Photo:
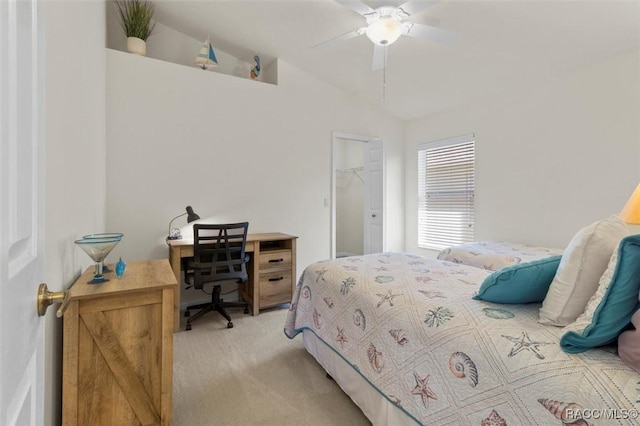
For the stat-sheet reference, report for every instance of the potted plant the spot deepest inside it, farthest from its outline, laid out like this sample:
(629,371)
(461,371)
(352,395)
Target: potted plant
(135,20)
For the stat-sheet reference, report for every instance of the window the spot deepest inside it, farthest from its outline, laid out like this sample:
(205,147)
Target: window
(446,191)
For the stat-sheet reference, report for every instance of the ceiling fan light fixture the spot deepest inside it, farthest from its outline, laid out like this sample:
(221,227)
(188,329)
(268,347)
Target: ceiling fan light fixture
(385,30)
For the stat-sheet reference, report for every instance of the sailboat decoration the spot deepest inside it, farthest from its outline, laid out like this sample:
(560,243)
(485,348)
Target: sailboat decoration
(206,58)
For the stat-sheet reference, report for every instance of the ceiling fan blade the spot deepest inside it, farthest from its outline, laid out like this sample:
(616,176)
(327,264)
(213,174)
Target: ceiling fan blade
(356,5)
(343,37)
(413,7)
(379,57)
(427,32)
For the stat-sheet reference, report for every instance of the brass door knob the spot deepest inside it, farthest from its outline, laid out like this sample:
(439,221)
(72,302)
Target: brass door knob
(46,298)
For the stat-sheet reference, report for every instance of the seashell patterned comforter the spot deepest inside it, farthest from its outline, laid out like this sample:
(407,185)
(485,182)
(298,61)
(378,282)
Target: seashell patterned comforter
(495,255)
(409,326)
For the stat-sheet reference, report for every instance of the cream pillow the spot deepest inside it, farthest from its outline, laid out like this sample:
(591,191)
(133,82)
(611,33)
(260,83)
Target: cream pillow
(583,263)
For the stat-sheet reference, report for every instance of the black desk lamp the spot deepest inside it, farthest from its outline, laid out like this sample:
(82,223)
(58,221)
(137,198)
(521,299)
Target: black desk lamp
(174,234)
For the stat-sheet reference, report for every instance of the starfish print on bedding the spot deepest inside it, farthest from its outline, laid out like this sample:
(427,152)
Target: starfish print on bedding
(386,298)
(341,338)
(423,390)
(524,342)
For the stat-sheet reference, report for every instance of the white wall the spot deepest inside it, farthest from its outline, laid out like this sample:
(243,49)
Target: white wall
(551,156)
(234,149)
(75,158)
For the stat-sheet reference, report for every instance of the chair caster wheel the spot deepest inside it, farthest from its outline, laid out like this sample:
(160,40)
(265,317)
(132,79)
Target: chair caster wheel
(188,327)
(230,325)
(246,310)
(187,314)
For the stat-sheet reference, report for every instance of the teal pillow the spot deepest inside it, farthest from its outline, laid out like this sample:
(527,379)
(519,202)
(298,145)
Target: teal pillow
(619,302)
(522,283)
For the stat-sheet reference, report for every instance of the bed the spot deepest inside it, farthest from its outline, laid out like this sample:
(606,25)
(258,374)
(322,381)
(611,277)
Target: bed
(495,255)
(404,339)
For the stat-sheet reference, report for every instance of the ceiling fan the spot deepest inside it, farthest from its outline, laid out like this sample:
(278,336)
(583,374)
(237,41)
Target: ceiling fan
(386,24)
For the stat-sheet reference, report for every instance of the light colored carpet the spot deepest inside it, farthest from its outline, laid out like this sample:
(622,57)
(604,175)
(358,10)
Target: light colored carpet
(252,374)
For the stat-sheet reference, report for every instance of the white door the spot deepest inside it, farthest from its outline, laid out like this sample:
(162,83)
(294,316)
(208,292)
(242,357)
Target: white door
(21,212)
(373,197)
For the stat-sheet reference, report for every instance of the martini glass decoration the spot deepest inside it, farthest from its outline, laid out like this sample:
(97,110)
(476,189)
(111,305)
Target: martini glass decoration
(117,235)
(97,249)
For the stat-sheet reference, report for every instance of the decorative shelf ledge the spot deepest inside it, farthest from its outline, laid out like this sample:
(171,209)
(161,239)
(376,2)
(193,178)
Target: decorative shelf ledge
(169,45)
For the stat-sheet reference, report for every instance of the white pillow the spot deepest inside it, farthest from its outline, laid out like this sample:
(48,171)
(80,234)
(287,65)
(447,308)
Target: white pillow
(586,317)
(582,264)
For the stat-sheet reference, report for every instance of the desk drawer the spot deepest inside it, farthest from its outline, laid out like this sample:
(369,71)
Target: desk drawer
(275,260)
(275,288)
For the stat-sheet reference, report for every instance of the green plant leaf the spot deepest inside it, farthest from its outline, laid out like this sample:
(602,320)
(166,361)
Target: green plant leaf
(135,17)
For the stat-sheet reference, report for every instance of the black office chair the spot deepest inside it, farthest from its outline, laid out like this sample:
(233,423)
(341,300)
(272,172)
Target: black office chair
(218,256)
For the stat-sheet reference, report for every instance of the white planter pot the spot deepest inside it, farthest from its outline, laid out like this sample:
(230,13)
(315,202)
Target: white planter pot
(136,46)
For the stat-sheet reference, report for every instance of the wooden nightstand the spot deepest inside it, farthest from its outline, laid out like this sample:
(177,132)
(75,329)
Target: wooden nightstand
(118,348)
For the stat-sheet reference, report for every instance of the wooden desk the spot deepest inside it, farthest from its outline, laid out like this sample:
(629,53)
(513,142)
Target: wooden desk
(272,269)
(118,348)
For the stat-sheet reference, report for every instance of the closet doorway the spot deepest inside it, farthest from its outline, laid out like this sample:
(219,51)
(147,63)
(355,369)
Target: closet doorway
(357,195)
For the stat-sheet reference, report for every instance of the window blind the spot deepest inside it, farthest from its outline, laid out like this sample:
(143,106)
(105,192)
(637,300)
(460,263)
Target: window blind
(446,191)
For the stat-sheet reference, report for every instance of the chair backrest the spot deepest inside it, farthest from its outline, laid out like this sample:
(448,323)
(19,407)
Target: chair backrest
(218,252)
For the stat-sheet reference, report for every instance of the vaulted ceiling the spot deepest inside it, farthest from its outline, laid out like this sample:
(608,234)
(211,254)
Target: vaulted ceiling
(503,44)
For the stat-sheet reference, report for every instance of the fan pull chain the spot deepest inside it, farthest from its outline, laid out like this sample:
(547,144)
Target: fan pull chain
(384,76)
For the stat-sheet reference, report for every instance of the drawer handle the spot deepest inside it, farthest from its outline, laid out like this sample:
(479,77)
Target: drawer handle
(276,279)
(276,260)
